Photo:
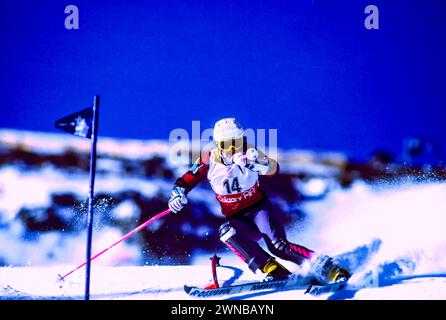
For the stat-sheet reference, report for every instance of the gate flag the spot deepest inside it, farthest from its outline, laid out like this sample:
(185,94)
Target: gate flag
(79,123)
(84,123)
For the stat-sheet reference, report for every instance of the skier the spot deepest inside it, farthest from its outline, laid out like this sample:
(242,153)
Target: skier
(233,168)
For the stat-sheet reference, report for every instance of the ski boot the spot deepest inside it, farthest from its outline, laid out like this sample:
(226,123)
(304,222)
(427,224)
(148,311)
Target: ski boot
(327,271)
(275,271)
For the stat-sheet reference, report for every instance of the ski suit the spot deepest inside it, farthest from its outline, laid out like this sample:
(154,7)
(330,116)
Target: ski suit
(249,213)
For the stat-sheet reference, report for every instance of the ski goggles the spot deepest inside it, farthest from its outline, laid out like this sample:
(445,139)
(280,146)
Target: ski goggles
(227,145)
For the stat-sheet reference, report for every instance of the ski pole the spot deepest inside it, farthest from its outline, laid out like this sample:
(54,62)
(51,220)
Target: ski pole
(128,235)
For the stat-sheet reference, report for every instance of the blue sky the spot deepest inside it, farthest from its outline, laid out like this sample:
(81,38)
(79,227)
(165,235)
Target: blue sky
(307,68)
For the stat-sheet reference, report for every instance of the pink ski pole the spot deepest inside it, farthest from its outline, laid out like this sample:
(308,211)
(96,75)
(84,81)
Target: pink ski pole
(128,235)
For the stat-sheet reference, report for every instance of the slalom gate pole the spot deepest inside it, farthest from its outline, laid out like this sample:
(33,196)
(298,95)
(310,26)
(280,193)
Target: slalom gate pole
(215,261)
(94,139)
(128,235)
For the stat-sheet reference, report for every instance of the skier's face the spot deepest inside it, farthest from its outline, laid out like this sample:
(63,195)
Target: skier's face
(229,154)
(231,146)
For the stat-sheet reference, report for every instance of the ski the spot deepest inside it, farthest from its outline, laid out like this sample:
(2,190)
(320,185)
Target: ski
(316,289)
(298,282)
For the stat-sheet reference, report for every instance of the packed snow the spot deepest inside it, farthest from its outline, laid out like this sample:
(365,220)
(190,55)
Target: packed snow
(404,225)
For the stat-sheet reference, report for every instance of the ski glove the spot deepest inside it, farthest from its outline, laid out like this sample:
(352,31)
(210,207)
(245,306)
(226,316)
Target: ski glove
(177,199)
(249,160)
(239,159)
(242,160)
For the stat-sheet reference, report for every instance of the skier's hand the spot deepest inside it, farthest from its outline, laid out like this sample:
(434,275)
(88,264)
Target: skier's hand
(252,154)
(239,159)
(177,199)
(247,159)
(253,163)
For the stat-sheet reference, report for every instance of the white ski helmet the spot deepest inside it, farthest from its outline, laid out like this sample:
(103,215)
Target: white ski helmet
(226,129)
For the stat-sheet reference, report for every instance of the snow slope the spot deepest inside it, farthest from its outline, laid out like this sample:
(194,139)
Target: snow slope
(393,232)
(390,233)
(166,283)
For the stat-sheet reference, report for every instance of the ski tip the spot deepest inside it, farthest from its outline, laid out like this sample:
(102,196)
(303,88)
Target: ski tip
(187,288)
(308,289)
(317,290)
